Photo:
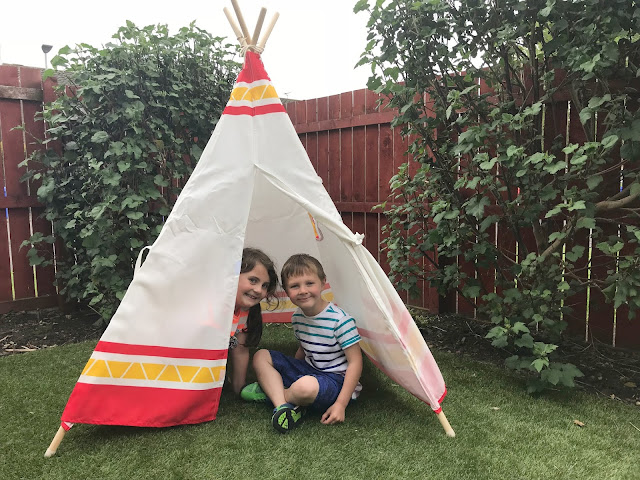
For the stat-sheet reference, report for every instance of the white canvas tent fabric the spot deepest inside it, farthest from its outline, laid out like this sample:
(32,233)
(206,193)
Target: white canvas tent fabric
(162,359)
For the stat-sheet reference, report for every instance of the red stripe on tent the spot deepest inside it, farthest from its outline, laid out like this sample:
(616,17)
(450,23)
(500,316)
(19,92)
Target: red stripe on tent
(151,351)
(140,406)
(253,69)
(276,317)
(254,111)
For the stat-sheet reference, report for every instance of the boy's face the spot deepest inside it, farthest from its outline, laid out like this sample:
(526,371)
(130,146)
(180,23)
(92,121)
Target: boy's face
(305,291)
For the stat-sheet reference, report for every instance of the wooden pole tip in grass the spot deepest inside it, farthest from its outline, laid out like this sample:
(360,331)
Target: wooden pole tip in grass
(55,443)
(445,424)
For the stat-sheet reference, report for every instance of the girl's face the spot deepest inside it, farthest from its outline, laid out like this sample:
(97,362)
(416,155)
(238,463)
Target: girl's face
(252,287)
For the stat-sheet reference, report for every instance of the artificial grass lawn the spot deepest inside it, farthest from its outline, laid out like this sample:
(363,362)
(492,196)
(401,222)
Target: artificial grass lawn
(387,434)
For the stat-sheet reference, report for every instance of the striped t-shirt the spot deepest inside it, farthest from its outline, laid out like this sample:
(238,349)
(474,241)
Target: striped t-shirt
(325,336)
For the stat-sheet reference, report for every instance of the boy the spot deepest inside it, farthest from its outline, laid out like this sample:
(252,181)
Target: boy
(326,369)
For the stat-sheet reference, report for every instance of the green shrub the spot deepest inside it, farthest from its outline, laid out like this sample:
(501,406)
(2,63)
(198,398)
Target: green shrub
(128,125)
(485,157)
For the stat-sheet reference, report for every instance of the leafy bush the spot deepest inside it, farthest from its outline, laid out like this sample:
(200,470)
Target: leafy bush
(491,149)
(124,134)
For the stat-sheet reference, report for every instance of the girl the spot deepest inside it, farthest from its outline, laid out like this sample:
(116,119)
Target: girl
(258,280)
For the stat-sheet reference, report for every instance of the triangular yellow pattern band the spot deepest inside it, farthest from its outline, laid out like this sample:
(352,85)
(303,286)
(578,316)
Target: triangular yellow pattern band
(260,92)
(153,371)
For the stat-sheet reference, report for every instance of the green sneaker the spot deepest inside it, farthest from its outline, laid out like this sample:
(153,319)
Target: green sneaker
(286,417)
(253,393)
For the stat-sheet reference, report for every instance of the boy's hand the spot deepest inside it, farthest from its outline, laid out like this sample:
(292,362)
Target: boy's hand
(334,414)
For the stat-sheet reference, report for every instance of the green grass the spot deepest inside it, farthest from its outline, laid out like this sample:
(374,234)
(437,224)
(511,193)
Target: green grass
(387,434)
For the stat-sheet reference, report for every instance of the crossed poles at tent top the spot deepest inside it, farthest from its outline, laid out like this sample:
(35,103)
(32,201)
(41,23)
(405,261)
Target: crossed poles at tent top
(250,42)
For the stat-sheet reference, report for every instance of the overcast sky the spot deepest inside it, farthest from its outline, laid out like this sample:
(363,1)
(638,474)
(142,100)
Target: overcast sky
(311,52)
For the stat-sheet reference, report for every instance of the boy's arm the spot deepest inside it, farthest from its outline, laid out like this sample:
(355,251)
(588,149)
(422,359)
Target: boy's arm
(335,413)
(299,353)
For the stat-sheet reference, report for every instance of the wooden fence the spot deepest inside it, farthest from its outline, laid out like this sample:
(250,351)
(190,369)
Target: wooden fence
(354,150)
(22,287)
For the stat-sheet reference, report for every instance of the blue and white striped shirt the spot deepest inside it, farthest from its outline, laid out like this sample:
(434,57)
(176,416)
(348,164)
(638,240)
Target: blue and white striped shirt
(325,336)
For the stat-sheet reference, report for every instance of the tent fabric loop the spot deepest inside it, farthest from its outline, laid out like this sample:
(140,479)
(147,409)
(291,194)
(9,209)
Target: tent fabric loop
(139,259)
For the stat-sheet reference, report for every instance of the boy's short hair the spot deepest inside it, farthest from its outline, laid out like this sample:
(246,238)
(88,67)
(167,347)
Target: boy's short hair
(300,264)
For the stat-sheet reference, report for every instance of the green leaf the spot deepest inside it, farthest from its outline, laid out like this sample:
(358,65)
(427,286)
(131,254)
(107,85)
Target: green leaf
(586,222)
(124,166)
(100,137)
(525,341)
(476,206)
(471,291)
(488,164)
(160,181)
(96,299)
(594,181)
(519,327)
(538,364)
(556,167)
(609,141)
(134,215)
(579,205)
(360,6)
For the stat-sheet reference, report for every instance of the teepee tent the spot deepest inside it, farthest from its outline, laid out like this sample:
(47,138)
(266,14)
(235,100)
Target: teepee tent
(162,359)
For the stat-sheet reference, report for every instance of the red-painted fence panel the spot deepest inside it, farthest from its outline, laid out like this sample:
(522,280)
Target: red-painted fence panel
(21,286)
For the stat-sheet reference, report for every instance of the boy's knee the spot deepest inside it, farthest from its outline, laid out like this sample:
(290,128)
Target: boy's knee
(261,357)
(306,388)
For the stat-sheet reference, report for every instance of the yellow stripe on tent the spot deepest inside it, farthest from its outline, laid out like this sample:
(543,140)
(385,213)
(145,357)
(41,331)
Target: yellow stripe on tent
(153,370)
(238,93)
(217,372)
(270,92)
(135,372)
(254,93)
(170,374)
(117,369)
(203,376)
(187,373)
(88,366)
(98,369)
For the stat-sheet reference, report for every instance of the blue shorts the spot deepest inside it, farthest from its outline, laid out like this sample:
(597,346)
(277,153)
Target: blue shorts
(291,369)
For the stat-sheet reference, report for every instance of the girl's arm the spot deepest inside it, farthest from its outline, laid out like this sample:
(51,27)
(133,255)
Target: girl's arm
(335,413)
(240,359)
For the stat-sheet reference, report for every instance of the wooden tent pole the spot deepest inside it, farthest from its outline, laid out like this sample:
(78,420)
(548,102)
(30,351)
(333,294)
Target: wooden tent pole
(235,27)
(445,424)
(256,32)
(55,443)
(243,26)
(266,34)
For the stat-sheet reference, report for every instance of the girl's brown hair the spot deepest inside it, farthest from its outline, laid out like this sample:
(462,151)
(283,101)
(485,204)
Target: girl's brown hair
(250,258)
